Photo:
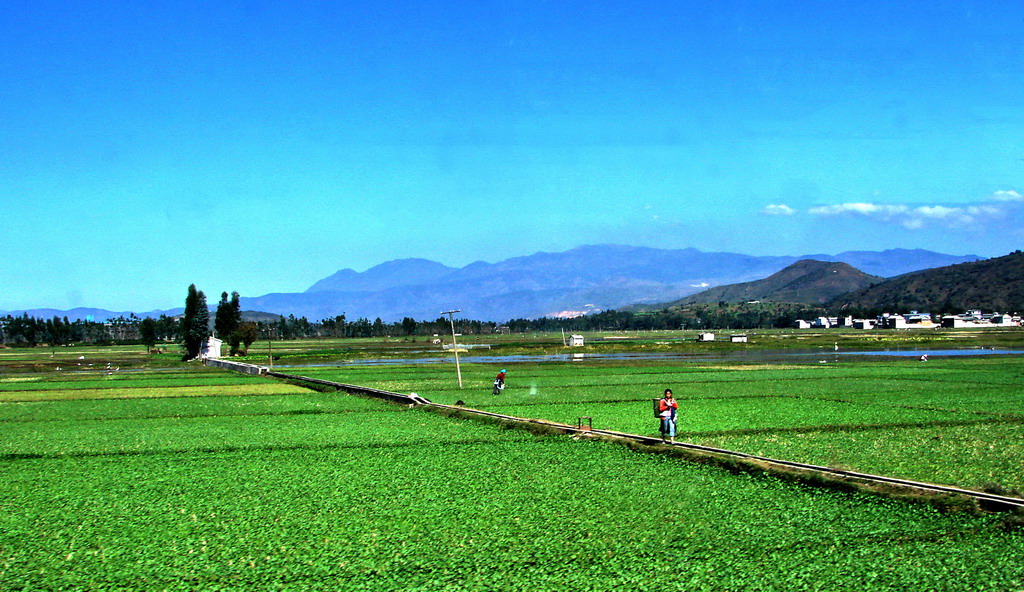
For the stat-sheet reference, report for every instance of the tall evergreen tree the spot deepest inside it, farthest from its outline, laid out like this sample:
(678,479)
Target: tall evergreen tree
(229,315)
(147,333)
(195,323)
(236,308)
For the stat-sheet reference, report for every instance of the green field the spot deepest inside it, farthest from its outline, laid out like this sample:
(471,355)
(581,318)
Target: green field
(951,421)
(151,479)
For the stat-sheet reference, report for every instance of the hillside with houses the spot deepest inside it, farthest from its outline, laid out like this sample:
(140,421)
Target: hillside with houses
(992,285)
(979,294)
(971,319)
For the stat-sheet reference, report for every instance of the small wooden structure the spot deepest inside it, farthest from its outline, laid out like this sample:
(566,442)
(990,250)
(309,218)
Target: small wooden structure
(738,338)
(705,337)
(577,341)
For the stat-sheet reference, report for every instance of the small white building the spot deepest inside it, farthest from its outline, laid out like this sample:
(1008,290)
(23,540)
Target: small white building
(955,322)
(1004,320)
(846,321)
(705,337)
(211,348)
(824,323)
(802,324)
(737,338)
(577,341)
(896,322)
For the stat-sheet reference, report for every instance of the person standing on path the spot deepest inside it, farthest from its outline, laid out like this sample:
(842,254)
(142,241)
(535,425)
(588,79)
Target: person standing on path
(667,406)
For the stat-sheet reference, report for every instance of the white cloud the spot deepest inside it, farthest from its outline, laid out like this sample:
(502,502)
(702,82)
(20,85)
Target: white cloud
(859,208)
(914,218)
(951,216)
(1003,195)
(938,211)
(778,210)
(994,213)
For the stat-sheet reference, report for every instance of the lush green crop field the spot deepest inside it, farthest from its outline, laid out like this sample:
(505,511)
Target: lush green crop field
(318,491)
(180,477)
(897,417)
(196,381)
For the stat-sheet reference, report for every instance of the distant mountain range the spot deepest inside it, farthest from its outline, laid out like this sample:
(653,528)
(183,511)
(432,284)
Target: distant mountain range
(806,281)
(992,285)
(584,279)
(569,283)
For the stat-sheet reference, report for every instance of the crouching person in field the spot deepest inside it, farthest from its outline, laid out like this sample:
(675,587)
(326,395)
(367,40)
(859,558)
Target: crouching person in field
(667,407)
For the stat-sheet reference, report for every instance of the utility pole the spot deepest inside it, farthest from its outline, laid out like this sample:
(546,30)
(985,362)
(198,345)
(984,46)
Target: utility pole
(270,341)
(455,345)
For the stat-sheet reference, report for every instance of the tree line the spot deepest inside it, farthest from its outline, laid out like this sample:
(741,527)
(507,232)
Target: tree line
(195,325)
(29,331)
(695,317)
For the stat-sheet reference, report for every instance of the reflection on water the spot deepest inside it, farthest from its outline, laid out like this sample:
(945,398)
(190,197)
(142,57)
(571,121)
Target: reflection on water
(754,356)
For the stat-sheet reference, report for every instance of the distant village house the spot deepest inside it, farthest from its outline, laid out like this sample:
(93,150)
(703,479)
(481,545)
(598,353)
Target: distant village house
(916,320)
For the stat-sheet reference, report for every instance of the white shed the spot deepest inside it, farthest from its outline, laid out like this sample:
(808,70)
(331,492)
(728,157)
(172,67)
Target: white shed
(577,341)
(738,338)
(705,337)
(211,348)
(896,322)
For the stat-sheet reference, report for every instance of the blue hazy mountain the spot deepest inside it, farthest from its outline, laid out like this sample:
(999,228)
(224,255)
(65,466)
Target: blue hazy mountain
(393,274)
(587,278)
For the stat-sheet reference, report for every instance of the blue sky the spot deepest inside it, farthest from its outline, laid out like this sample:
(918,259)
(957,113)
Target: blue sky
(260,146)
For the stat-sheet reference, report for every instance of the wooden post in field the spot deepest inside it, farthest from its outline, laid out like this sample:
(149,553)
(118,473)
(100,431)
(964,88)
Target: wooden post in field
(455,345)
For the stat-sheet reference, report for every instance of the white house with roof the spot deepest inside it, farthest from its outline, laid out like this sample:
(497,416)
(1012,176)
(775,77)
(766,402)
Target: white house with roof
(1004,319)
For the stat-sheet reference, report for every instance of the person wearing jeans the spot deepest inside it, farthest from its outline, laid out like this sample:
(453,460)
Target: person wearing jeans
(667,406)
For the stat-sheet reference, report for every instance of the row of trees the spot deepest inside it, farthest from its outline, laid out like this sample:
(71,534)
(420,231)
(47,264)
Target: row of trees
(698,316)
(339,326)
(759,315)
(194,326)
(227,324)
(58,331)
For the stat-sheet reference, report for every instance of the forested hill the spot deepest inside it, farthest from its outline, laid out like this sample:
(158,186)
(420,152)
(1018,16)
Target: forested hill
(807,281)
(990,285)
